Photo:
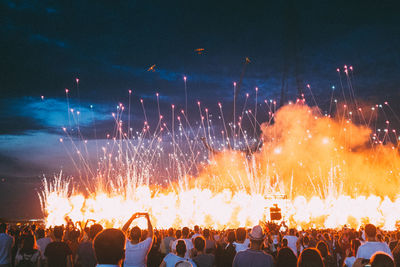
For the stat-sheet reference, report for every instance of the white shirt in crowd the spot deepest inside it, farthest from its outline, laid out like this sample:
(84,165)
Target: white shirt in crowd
(292,240)
(195,235)
(32,258)
(368,249)
(42,244)
(189,246)
(349,261)
(241,246)
(6,243)
(171,260)
(136,254)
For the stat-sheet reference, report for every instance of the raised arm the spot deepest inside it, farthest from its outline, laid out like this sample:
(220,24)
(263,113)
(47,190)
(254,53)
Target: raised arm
(128,223)
(149,227)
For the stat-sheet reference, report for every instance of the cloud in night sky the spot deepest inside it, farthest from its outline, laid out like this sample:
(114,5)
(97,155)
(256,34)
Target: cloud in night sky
(110,45)
(29,114)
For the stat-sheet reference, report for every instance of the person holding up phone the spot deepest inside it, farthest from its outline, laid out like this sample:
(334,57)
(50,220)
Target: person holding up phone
(136,252)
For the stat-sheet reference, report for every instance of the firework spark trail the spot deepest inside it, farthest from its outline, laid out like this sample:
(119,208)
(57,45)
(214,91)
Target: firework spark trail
(327,166)
(241,184)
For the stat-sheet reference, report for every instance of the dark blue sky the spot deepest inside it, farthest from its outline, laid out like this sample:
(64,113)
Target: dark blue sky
(109,45)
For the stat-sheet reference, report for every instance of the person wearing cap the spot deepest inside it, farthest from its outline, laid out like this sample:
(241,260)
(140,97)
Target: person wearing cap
(254,256)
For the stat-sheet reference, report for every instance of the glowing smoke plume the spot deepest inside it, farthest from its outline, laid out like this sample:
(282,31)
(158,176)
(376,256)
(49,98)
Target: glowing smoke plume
(331,170)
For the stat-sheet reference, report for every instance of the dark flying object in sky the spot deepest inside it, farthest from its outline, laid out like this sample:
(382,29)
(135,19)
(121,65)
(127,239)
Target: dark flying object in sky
(199,51)
(152,68)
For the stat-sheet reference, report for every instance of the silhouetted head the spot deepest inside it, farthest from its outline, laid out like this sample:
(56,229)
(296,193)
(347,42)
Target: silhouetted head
(380,259)
(310,257)
(74,235)
(206,233)
(135,234)
(240,234)
(171,231)
(231,236)
(286,258)
(28,243)
(199,243)
(398,235)
(185,232)
(370,230)
(196,229)
(94,230)
(3,227)
(323,249)
(256,236)
(58,232)
(178,234)
(326,236)
(181,248)
(40,233)
(379,237)
(284,242)
(306,240)
(109,246)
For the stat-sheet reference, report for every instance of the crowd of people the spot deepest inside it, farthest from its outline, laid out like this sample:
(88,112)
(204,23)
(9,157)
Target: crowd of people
(263,245)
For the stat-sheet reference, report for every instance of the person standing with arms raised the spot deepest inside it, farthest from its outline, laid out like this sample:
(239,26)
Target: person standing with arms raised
(136,252)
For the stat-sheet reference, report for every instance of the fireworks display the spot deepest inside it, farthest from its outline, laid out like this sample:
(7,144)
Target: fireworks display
(323,169)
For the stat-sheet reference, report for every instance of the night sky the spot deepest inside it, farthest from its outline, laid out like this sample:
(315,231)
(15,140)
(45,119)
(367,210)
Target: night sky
(109,46)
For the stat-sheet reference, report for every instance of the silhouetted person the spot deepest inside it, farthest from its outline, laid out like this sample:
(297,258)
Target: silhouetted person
(58,253)
(240,243)
(324,251)
(395,242)
(210,244)
(172,245)
(310,257)
(155,257)
(6,244)
(202,259)
(42,242)
(172,259)
(286,258)
(196,232)
(380,259)
(372,245)
(109,247)
(28,254)
(73,242)
(165,244)
(136,251)
(85,255)
(350,259)
(292,240)
(254,256)
(229,252)
(186,238)
(285,244)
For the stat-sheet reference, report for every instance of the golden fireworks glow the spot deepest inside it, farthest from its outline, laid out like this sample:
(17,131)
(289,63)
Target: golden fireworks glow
(321,171)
